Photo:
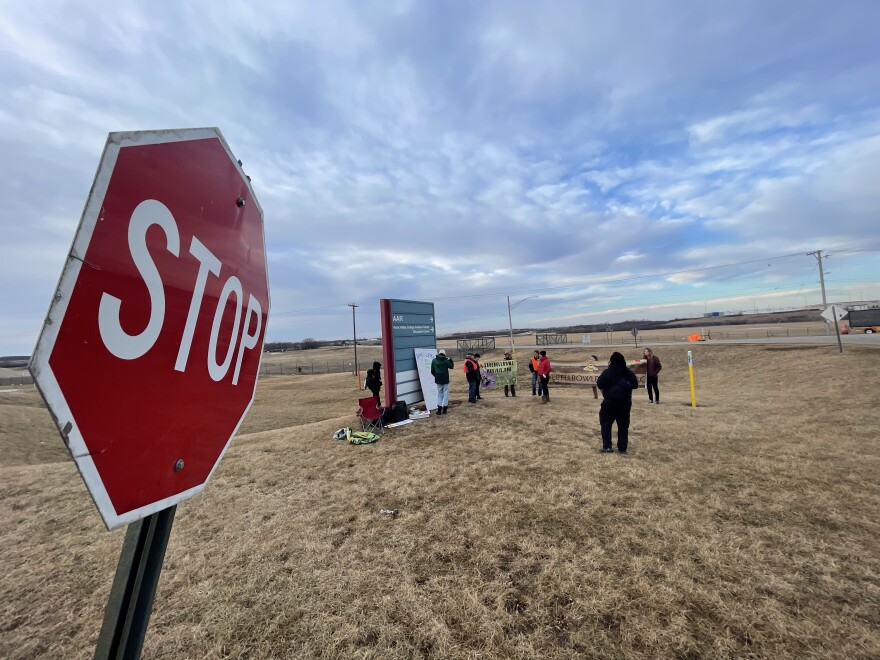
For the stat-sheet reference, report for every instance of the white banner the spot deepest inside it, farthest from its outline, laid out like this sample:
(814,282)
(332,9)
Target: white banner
(424,357)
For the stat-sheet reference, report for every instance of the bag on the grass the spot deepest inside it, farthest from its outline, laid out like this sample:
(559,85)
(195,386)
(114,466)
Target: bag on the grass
(355,437)
(360,437)
(400,412)
(388,416)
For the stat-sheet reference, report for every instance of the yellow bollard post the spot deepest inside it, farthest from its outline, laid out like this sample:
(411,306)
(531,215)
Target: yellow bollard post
(691,375)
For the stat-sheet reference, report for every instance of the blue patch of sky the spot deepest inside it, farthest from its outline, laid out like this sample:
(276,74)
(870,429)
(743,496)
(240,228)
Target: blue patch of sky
(293,90)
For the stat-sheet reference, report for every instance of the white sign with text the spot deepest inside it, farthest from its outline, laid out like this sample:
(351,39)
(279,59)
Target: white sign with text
(424,357)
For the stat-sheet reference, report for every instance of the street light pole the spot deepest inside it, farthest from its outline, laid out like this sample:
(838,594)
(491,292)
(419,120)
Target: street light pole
(357,367)
(818,255)
(510,318)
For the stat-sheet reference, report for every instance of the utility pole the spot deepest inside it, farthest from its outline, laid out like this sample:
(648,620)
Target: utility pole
(510,325)
(818,255)
(510,318)
(357,367)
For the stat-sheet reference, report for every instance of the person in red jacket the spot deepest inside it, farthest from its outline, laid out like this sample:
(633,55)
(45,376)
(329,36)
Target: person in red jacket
(472,373)
(533,368)
(544,370)
(653,368)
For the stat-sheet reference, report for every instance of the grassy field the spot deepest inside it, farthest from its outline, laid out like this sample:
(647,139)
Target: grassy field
(744,528)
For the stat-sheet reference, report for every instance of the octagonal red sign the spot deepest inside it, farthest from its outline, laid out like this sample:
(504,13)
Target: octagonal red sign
(150,352)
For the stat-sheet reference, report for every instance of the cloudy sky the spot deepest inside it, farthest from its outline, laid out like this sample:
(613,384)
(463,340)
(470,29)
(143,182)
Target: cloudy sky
(610,159)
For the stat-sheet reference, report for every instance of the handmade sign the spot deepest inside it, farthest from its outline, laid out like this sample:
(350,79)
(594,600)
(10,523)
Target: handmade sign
(424,356)
(504,371)
(579,374)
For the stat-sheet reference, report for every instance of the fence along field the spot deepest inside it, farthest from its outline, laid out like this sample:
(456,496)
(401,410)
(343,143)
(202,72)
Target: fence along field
(338,359)
(746,527)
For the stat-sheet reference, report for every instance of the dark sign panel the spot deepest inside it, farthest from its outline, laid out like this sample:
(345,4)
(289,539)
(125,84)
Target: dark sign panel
(859,318)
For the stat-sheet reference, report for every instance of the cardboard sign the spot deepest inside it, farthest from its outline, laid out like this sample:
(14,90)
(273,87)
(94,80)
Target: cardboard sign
(579,374)
(503,370)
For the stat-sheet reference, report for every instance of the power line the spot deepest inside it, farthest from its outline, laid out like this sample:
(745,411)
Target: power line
(622,280)
(619,280)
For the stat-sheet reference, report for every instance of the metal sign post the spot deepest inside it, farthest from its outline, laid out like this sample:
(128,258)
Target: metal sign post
(635,334)
(131,597)
(833,312)
(837,331)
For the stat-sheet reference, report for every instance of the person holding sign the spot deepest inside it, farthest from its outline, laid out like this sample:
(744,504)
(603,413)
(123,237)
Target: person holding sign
(652,368)
(512,386)
(440,367)
(617,383)
(591,367)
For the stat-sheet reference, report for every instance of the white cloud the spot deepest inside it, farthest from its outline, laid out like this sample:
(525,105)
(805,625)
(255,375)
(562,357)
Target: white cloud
(427,149)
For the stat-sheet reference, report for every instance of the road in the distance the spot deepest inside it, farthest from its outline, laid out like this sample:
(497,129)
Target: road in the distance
(870,341)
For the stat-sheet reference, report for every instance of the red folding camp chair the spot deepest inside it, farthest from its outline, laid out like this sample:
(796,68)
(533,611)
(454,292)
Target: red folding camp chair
(370,414)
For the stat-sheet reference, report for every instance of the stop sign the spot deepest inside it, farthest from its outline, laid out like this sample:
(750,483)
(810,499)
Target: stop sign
(149,355)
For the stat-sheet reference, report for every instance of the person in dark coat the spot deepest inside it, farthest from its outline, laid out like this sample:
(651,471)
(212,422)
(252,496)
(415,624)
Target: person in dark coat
(653,367)
(374,384)
(479,373)
(617,383)
(533,369)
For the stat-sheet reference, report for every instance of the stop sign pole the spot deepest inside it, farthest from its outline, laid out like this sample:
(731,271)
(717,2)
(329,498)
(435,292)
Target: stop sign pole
(127,614)
(150,352)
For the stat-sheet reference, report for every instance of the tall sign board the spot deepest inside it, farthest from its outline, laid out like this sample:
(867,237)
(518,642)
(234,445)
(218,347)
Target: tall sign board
(406,325)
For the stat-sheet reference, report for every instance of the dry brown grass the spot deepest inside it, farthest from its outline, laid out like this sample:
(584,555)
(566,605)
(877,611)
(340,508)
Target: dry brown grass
(746,528)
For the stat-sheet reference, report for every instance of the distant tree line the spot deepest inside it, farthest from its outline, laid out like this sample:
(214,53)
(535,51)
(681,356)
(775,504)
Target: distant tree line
(309,343)
(620,326)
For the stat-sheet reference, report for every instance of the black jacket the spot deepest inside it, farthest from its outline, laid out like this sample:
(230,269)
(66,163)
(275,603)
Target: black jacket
(617,384)
(374,383)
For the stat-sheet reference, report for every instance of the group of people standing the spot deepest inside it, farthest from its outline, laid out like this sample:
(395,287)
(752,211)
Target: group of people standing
(617,383)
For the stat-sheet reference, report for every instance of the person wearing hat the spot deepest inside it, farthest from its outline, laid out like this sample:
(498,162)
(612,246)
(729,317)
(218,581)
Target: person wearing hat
(512,386)
(440,367)
(472,373)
